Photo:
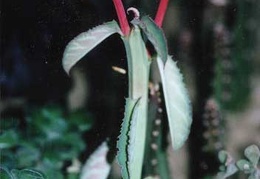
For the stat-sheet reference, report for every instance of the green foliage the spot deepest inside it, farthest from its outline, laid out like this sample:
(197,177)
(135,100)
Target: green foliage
(227,167)
(20,174)
(45,142)
(233,68)
(248,166)
(8,139)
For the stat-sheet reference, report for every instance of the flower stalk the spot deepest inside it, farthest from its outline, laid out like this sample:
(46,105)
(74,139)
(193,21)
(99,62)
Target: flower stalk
(122,17)
(161,12)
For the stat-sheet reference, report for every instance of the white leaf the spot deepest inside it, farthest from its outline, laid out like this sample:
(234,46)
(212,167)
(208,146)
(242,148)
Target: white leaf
(85,42)
(177,102)
(97,166)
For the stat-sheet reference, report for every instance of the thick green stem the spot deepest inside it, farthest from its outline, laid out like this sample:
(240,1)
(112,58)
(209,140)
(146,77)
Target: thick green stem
(138,76)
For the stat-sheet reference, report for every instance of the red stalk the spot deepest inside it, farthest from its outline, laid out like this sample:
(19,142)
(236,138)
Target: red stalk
(122,17)
(161,12)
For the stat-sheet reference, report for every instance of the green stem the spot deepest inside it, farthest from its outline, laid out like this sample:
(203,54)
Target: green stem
(138,76)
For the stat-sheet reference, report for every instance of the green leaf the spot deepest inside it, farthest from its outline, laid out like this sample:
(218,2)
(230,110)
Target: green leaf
(137,137)
(85,42)
(81,120)
(27,156)
(50,167)
(73,176)
(231,169)
(27,174)
(8,139)
(97,165)
(253,154)
(245,165)
(177,102)
(223,156)
(53,157)
(71,145)
(156,36)
(49,121)
(123,141)
(51,112)
(66,148)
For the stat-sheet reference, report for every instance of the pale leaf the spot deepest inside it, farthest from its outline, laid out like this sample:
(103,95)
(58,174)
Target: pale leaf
(85,42)
(177,102)
(97,166)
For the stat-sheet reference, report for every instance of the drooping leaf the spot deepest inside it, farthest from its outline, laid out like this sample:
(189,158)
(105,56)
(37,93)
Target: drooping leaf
(85,42)
(123,141)
(253,154)
(156,36)
(177,102)
(97,165)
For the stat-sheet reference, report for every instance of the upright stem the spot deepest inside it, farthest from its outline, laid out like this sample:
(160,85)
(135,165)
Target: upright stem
(138,77)
(122,17)
(161,12)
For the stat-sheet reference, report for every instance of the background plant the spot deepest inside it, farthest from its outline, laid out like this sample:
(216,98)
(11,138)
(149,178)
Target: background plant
(249,165)
(48,141)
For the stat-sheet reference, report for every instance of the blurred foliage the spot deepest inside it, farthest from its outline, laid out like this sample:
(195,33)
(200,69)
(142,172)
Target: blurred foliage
(249,166)
(47,141)
(20,174)
(233,66)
